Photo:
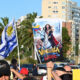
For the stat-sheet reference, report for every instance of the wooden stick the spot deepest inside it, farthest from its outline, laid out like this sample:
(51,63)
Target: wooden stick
(49,73)
(49,69)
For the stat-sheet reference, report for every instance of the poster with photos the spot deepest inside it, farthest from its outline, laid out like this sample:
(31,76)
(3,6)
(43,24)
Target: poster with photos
(47,39)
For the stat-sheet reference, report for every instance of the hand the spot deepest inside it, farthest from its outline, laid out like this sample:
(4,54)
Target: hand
(11,69)
(50,65)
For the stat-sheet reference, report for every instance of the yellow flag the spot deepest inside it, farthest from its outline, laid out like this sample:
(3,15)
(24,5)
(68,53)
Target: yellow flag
(76,74)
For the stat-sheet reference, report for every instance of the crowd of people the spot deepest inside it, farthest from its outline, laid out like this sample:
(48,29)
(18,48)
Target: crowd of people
(6,72)
(11,72)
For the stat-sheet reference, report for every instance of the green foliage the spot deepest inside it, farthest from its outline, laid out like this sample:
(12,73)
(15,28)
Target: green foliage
(77,48)
(31,60)
(25,35)
(65,41)
(41,17)
(4,22)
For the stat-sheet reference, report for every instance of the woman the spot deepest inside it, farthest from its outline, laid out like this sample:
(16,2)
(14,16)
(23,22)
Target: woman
(51,38)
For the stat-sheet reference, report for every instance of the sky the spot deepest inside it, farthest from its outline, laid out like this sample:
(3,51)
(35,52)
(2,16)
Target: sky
(17,8)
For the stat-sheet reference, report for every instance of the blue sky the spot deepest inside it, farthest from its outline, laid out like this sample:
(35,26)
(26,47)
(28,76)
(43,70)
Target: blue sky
(18,8)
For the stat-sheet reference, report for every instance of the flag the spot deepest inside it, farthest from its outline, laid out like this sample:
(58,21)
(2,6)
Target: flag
(8,40)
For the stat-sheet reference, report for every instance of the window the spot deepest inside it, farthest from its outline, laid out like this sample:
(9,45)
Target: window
(49,15)
(63,7)
(55,11)
(55,2)
(49,6)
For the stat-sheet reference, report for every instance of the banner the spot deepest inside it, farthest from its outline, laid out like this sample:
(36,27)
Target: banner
(47,38)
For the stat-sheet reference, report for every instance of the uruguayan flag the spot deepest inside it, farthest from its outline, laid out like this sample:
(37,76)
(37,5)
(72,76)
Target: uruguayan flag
(8,40)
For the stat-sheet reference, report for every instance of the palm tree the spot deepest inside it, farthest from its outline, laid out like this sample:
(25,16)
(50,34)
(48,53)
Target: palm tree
(26,33)
(4,22)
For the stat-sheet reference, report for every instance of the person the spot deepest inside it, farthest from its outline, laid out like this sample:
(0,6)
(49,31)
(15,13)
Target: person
(59,73)
(21,76)
(29,78)
(44,77)
(66,77)
(14,66)
(4,70)
(35,72)
(51,38)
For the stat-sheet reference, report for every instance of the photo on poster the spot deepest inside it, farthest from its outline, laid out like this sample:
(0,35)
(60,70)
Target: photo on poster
(48,38)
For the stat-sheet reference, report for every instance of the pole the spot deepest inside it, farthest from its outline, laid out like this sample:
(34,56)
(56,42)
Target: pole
(35,50)
(49,73)
(18,47)
(49,69)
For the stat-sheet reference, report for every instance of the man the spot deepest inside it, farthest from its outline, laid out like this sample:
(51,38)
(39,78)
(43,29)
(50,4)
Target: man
(60,73)
(14,66)
(4,70)
(23,75)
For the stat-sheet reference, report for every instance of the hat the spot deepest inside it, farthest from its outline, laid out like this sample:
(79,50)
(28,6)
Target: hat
(4,68)
(24,71)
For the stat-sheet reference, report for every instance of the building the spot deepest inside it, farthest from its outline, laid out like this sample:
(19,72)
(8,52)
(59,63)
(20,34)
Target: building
(56,9)
(68,11)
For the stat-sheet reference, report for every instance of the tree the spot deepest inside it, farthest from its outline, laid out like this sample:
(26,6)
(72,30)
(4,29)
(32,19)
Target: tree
(77,48)
(65,41)
(4,22)
(26,34)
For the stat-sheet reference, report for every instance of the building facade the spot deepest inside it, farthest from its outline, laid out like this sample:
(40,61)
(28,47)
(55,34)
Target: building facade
(56,9)
(68,11)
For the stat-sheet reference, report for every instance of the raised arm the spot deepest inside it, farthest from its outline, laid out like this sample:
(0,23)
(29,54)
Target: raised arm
(17,73)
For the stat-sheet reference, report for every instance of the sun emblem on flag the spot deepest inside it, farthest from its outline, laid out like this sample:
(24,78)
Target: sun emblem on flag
(9,30)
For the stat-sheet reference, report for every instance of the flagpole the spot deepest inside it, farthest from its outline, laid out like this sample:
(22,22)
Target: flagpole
(18,47)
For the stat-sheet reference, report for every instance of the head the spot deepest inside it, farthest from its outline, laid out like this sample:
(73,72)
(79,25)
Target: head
(29,78)
(47,27)
(14,61)
(67,68)
(66,77)
(60,71)
(4,70)
(34,64)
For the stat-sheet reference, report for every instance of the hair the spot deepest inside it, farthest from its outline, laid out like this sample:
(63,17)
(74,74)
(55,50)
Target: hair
(4,68)
(29,78)
(13,61)
(46,27)
(66,77)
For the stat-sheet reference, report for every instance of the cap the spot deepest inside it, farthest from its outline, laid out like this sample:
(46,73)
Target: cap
(4,68)
(24,71)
